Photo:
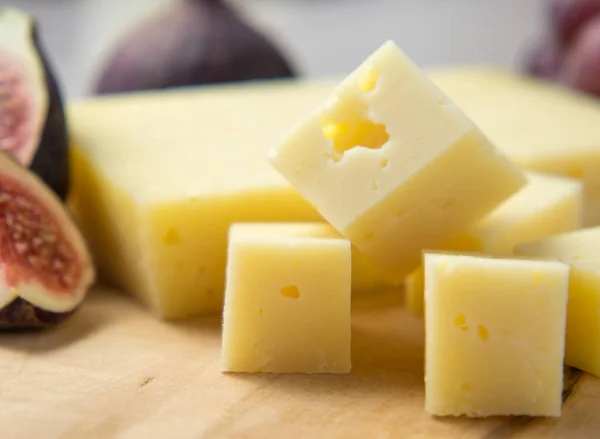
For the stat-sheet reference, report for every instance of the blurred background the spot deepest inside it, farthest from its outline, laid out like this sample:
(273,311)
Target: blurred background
(320,37)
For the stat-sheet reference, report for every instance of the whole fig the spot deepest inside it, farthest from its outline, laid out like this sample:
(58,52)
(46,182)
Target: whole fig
(194,42)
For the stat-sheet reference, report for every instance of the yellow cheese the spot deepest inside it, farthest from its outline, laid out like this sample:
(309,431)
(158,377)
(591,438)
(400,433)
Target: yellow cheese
(548,205)
(580,249)
(287,304)
(539,125)
(392,164)
(367,276)
(159,178)
(495,335)
(414,292)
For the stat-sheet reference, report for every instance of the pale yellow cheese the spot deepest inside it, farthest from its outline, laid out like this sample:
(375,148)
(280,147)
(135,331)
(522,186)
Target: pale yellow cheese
(548,205)
(495,335)
(580,249)
(540,126)
(392,164)
(287,303)
(159,177)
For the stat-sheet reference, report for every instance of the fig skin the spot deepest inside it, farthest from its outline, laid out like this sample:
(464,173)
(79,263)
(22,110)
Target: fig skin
(22,315)
(47,267)
(545,60)
(568,17)
(195,42)
(51,162)
(48,157)
(581,67)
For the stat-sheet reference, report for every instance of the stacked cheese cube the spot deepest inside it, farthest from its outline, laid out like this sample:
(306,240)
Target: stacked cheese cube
(396,168)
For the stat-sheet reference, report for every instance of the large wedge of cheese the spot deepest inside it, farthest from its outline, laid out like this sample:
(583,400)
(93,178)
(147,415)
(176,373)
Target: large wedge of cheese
(540,126)
(160,177)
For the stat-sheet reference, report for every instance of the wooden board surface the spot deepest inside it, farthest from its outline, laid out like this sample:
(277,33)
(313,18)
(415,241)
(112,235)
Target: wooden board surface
(113,371)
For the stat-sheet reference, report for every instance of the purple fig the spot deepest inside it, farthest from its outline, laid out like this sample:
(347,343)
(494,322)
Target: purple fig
(194,42)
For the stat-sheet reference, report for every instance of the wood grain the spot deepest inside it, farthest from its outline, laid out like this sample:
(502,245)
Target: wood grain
(113,371)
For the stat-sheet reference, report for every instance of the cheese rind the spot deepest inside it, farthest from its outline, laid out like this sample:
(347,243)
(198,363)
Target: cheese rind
(395,167)
(547,206)
(580,250)
(495,335)
(287,304)
(519,114)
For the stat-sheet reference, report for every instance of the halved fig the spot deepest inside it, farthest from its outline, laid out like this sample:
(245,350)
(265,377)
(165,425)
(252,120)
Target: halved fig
(32,122)
(45,266)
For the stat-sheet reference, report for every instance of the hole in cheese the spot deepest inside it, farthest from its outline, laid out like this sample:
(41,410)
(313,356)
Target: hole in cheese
(368,80)
(171,237)
(482,332)
(290,291)
(347,125)
(466,387)
(460,321)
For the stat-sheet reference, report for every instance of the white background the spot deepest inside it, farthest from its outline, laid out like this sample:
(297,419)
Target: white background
(323,37)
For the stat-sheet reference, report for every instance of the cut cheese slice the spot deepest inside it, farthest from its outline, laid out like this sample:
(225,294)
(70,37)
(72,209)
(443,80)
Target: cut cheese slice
(539,125)
(159,178)
(580,249)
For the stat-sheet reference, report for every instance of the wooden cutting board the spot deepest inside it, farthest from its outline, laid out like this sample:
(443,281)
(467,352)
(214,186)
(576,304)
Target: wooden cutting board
(113,371)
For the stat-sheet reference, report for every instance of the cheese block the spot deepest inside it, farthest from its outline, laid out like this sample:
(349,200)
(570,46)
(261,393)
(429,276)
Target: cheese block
(159,177)
(392,164)
(287,302)
(548,205)
(580,249)
(495,335)
(538,125)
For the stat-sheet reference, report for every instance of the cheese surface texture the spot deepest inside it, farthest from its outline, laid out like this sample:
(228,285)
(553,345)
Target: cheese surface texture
(287,303)
(547,206)
(580,249)
(392,164)
(495,335)
(538,125)
(159,177)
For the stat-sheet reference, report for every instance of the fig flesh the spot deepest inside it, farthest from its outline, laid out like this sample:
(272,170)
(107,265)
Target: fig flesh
(195,42)
(45,266)
(32,122)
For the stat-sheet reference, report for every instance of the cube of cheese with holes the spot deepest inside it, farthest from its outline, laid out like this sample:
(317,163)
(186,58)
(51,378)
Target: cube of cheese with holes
(392,164)
(580,249)
(495,335)
(287,300)
(548,205)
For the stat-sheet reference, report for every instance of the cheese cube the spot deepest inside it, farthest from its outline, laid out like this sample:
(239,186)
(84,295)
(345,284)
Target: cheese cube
(495,335)
(538,125)
(392,164)
(367,276)
(159,177)
(580,249)
(548,205)
(287,304)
